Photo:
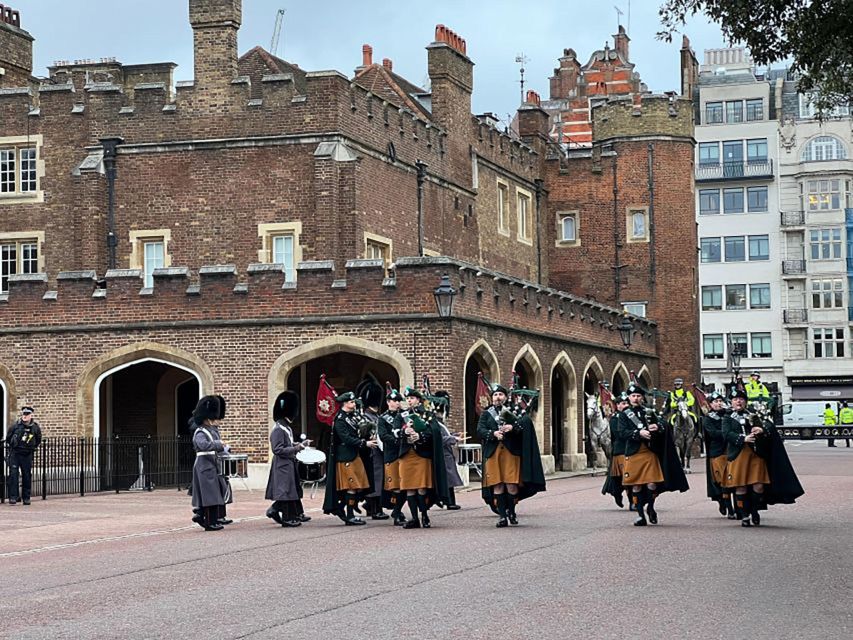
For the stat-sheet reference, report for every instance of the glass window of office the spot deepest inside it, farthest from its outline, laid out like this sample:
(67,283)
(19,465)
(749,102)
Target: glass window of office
(755,109)
(713,112)
(709,202)
(828,343)
(738,343)
(824,148)
(710,249)
(825,244)
(759,296)
(709,153)
(762,346)
(735,297)
(827,293)
(759,247)
(756,198)
(734,111)
(756,150)
(712,298)
(735,249)
(712,346)
(823,195)
(733,200)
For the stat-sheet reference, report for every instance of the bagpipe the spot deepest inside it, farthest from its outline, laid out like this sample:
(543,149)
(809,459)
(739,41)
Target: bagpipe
(521,403)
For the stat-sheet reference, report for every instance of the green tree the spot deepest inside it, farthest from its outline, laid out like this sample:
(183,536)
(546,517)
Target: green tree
(816,35)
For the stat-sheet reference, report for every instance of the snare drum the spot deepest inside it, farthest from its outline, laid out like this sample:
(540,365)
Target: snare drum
(310,465)
(234,465)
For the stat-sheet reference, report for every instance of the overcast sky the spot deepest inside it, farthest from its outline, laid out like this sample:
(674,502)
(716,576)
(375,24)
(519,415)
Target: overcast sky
(329,34)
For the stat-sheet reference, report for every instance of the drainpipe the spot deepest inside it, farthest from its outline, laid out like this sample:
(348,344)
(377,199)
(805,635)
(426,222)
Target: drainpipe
(539,190)
(110,151)
(652,261)
(421,168)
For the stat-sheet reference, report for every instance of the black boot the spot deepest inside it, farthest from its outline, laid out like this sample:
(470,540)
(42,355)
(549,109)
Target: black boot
(274,514)
(500,505)
(351,519)
(451,500)
(511,501)
(650,506)
(618,499)
(377,512)
(722,504)
(397,511)
(290,515)
(415,522)
(210,524)
(729,507)
(221,516)
(637,499)
(756,502)
(423,505)
(742,509)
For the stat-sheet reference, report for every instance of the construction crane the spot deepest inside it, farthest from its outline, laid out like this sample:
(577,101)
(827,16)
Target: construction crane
(276,34)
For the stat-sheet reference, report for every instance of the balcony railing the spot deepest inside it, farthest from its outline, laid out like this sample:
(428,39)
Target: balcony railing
(750,170)
(795,316)
(793,218)
(793,267)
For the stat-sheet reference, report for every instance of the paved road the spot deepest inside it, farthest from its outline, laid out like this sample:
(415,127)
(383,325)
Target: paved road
(128,567)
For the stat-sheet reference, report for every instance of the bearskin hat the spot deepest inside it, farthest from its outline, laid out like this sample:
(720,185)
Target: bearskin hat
(286,406)
(209,408)
(370,393)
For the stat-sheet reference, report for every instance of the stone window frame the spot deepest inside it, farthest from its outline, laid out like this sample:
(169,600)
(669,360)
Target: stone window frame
(26,237)
(561,215)
(629,224)
(138,238)
(25,142)
(504,185)
(519,194)
(268,231)
(387,243)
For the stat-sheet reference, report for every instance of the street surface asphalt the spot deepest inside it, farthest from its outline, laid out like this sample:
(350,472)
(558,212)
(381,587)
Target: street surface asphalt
(133,566)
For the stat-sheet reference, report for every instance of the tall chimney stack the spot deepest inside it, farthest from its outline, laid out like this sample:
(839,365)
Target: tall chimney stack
(215,24)
(620,41)
(451,75)
(16,50)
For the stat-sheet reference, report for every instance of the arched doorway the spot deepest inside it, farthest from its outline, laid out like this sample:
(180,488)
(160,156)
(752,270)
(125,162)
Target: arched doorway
(593,375)
(645,379)
(529,371)
(564,415)
(346,361)
(8,400)
(480,359)
(620,379)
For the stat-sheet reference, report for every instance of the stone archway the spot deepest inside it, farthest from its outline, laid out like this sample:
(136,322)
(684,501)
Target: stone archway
(593,374)
(620,379)
(644,377)
(528,367)
(564,415)
(88,383)
(479,359)
(9,399)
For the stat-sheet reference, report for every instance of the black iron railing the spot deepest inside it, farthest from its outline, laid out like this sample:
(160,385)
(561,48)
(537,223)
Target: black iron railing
(793,267)
(740,170)
(795,316)
(793,218)
(68,465)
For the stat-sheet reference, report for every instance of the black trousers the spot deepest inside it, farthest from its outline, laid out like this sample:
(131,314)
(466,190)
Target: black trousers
(20,464)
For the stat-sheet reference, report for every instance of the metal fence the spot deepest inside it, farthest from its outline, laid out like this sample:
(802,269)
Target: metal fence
(68,465)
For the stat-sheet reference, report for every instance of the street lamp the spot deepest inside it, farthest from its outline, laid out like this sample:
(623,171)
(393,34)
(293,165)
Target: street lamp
(626,330)
(444,295)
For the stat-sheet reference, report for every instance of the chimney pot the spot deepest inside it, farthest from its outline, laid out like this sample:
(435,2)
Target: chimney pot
(366,55)
(386,62)
(533,98)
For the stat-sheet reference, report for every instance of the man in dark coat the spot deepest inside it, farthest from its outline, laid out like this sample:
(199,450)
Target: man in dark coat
(715,458)
(371,397)
(652,466)
(283,486)
(391,434)
(422,473)
(613,482)
(448,443)
(758,468)
(24,438)
(207,489)
(346,477)
(512,470)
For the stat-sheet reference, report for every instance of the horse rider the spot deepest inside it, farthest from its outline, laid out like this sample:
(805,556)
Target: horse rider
(758,467)
(830,419)
(680,393)
(756,391)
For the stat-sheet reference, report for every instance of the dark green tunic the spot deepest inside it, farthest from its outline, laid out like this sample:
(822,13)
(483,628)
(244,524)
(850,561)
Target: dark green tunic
(345,446)
(613,484)
(631,421)
(715,446)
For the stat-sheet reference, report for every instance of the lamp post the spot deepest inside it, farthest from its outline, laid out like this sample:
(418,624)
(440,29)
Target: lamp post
(444,294)
(626,330)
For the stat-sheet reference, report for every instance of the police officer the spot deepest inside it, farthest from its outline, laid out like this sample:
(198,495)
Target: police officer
(24,439)
(845,419)
(830,420)
(680,393)
(755,389)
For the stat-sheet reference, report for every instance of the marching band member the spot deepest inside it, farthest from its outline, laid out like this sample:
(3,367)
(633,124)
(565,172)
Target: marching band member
(448,443)
(651,462)
(208,495)
(613,482)
(757,461)
(283,486)
(509,474)
(715,458)
(422,472)
(346,477)
(390,435)
(371,396)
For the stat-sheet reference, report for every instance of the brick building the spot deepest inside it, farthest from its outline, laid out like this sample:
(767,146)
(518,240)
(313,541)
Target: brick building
(264,224)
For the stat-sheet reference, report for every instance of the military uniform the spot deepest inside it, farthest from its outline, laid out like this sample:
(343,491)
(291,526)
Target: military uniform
(283,485)
(346,477)
(208,497)
(759,471)
(716,459)
(374,462)
(23,440)
(448,443)
(390,434)
(652,466)
(613,482)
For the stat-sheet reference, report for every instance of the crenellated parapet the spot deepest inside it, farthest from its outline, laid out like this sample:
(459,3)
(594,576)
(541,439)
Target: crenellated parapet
(642,115)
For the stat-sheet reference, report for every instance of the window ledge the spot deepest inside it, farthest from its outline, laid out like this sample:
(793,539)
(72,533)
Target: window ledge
(527,241)
(19,198)
(567,243)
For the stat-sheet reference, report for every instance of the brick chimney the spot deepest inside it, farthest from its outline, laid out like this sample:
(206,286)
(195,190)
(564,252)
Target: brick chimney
(533,121)
(366,55)
(16,50)
(620,41)
(564,82)
(689,68)
(386,62)
(451,75)
(215,24)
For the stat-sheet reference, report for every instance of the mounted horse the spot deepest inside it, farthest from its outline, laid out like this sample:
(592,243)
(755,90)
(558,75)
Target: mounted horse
(598,430)
(685,432)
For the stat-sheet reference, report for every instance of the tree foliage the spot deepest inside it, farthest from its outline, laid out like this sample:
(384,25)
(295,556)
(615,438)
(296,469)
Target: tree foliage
(817,35)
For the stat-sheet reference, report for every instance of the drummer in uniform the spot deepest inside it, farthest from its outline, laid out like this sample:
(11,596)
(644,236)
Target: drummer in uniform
(283,485)
(346,477)
(390,433)
(716,459)
(613,482)
(448,443)
(207,489)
